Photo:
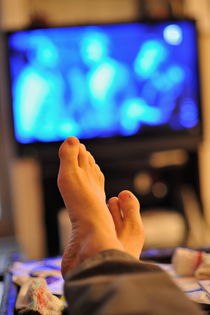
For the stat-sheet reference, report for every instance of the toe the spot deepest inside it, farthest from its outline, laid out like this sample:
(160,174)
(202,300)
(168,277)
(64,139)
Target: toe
(91,160)
(99,174)
(101,179)
(129,205)
(114,208)
(83,159)
(68,152)
(96,169)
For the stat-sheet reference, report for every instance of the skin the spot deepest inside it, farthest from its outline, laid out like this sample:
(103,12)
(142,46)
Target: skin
(96,225)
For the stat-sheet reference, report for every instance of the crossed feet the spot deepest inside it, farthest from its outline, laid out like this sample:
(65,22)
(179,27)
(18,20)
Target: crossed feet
(96,225)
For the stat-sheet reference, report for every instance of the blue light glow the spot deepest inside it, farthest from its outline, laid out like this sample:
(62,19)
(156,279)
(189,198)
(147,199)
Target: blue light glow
(137,110)
(188,113)
(150,55)
(170,79)
(173,34)
(94,46)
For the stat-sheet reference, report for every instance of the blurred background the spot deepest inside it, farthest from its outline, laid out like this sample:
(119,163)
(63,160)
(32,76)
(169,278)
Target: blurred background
(171,177)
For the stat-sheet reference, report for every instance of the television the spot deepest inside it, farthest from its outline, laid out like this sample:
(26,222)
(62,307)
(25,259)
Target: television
(124,83)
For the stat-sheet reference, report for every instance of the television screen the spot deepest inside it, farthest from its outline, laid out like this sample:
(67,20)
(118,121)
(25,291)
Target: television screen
(102,81)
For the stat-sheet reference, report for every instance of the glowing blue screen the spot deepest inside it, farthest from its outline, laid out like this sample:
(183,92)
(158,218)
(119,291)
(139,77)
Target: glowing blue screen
(103,81)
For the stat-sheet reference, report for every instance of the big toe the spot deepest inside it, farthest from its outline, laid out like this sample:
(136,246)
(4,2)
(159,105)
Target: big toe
(129,205)
(69,151)
(68,154)
(132,232)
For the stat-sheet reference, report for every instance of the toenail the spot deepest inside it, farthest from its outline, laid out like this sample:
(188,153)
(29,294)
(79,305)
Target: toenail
(125,195)
(72,140)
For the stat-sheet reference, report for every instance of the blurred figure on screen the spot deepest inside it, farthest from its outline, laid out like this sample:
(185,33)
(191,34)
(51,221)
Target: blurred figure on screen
(39,88)
(100,85)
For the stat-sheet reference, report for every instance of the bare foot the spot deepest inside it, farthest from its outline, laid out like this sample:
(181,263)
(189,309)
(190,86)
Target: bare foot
(125,210)
(81,184)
